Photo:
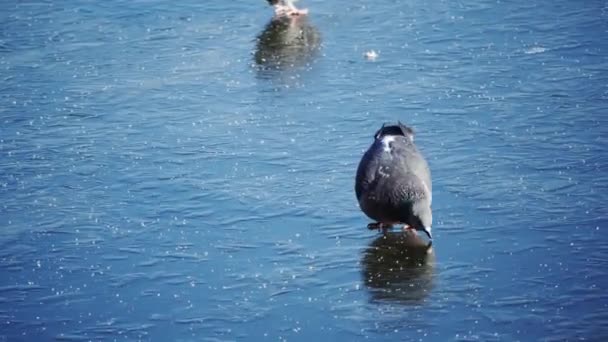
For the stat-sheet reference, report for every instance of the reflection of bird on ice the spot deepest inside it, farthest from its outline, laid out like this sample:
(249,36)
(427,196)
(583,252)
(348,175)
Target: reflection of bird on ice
(399,267)
(286,8)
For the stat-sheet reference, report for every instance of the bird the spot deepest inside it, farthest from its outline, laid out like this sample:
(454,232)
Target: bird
(393,181)
(286,8)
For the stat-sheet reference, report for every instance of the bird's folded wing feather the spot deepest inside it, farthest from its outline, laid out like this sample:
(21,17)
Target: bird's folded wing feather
(366,173)
(408,191)
(415,169)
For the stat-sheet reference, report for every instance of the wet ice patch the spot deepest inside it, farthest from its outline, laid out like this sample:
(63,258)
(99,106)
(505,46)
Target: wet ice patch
(535,50)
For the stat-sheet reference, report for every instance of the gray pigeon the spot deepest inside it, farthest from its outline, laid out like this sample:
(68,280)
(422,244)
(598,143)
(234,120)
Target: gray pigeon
(393,184)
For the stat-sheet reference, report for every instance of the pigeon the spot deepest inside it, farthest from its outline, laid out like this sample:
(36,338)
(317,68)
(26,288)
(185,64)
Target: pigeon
(393,182)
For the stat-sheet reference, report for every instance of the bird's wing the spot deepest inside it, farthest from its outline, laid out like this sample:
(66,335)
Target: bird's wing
(408,190)
(414,168)
(366,172)
(422,171)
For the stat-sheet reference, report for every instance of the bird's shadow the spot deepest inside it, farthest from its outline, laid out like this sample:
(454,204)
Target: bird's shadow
(286,44)
(399,267)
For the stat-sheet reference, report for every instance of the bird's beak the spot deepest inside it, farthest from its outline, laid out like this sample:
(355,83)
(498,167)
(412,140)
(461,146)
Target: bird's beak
(428,232)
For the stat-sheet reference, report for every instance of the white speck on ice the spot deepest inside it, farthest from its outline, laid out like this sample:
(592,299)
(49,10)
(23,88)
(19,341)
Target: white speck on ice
(371,55)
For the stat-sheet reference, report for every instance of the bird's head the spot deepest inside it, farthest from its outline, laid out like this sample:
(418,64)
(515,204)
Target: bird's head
(398,129)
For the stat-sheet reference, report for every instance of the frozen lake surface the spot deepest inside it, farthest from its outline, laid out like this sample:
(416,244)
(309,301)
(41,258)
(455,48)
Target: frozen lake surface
(184,171)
